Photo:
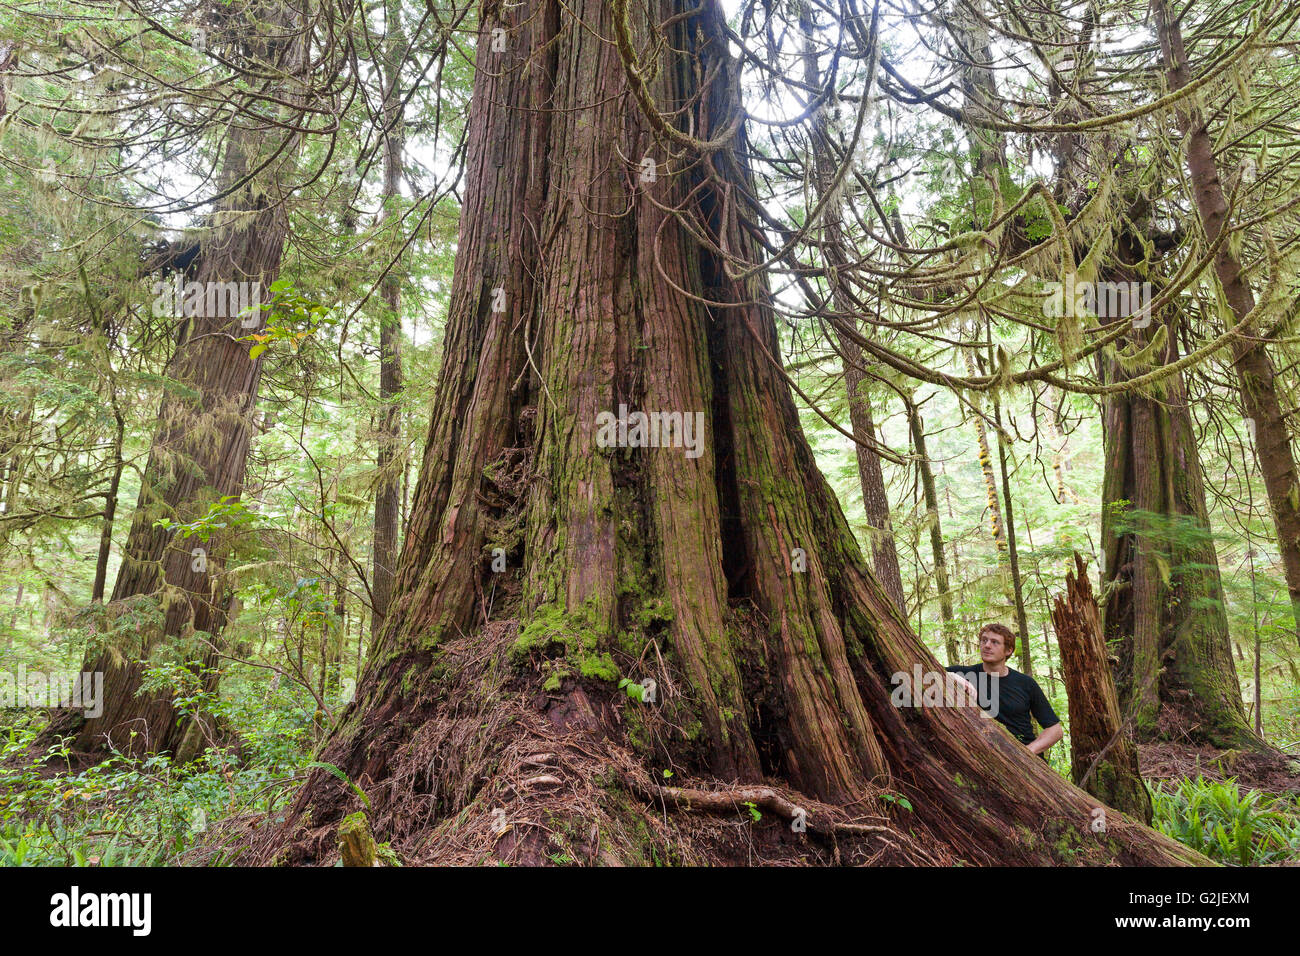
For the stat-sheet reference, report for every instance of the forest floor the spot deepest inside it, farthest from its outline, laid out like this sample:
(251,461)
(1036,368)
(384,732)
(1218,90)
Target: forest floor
(1168,761)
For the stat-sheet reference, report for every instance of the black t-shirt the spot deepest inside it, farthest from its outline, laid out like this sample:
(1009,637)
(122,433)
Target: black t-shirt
(1017,697)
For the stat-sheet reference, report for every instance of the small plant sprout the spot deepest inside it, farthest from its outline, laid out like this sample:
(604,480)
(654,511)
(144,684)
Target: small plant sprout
(897,799)
(645,691)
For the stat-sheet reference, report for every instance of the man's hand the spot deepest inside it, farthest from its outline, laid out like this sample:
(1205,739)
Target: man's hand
(967,696)
(1047,738)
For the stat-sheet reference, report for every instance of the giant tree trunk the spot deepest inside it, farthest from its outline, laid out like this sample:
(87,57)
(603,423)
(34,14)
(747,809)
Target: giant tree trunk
(731,579)
(200,451)
(1103,757)
(1164,610)
(1250,359)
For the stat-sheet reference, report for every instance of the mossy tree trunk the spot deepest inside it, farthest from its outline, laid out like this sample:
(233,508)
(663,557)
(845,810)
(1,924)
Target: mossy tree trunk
(731,578)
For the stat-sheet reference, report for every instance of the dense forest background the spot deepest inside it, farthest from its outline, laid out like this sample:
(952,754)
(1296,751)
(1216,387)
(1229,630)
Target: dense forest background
(926,178)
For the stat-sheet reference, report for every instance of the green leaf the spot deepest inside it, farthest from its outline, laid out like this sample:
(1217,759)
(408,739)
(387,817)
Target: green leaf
(342,776)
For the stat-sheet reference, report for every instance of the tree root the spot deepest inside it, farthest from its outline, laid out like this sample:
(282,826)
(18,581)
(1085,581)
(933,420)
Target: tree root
(807,815)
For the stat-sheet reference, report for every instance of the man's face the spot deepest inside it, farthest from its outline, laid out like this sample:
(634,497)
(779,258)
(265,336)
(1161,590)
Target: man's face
(993,650)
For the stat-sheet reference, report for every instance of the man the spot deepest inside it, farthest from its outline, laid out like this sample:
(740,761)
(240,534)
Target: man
(1017,696)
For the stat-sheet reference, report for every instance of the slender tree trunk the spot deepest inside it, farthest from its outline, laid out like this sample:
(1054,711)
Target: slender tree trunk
(11,483)
(110,509)
(13,618)
(8,62)
(1060,456)
(936,532)
(1013,554)
(871,478)
(990,480)
(1003,534)
(391,464)
(731,576)
(964,630)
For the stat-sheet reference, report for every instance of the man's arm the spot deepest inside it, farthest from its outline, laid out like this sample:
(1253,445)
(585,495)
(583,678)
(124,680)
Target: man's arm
(1052,731)
(1049,736)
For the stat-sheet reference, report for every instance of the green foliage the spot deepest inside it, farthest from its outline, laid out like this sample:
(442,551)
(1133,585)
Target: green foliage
(1226,824)
(229,513)
(335,771)
(292,317)
(124,812)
